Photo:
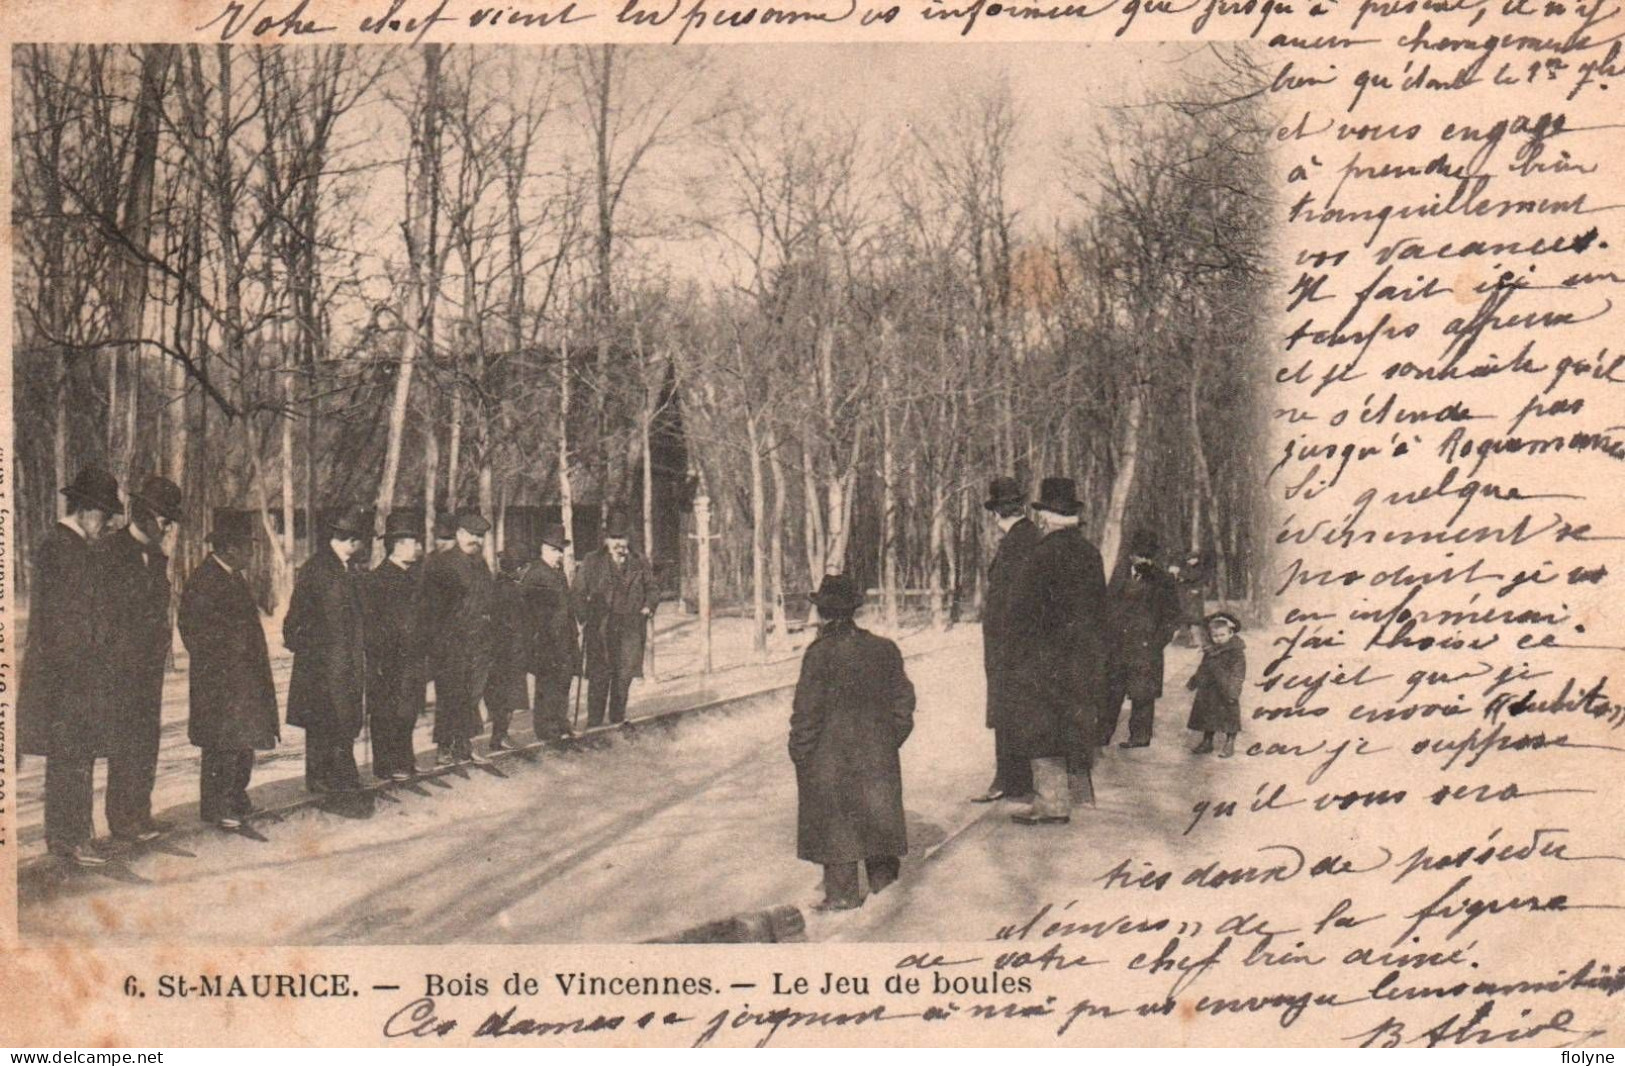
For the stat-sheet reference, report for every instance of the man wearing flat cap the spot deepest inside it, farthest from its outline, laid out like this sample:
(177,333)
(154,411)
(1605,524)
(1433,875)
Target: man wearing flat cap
(1012,776)
(853,709)
(457,626)
(136,639)
(392,595)
(556,647)
(232,707)
(59,709)
(1056,663)
(324,630)
(615,596)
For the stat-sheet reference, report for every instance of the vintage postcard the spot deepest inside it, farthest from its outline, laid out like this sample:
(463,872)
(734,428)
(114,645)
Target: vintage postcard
(956,523)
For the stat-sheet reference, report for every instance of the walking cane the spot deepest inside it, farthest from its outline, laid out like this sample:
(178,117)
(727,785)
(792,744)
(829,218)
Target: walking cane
(581,683)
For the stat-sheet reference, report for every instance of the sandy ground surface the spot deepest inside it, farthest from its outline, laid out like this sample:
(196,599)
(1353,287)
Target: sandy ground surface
(650,834)
(278,774)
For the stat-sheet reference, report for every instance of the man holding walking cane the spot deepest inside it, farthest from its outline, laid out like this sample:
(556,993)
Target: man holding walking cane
(616,595)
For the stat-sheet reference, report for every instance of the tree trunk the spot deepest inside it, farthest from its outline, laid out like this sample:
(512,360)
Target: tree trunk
(567,512)
(1111,536)
(758,538)
(775,466)
(416,337)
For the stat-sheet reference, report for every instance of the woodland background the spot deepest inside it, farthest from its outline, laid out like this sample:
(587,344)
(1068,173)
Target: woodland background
(556,283)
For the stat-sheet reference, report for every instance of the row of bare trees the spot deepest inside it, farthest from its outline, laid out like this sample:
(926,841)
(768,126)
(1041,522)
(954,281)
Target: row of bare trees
(292,279)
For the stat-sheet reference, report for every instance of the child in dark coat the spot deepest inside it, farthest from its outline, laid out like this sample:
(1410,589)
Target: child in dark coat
(1217,683)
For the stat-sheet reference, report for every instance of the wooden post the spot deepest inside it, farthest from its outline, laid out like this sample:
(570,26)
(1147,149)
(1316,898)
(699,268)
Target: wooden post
(702,537)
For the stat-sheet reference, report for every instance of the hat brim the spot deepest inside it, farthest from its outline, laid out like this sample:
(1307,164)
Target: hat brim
(835,604)
(167,513)
(560,545)
(1007,501)
(1059,507)
(1223,616)
(101,503)
(478,528)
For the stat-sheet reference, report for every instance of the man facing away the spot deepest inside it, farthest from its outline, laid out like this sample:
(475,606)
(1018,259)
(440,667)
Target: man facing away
(616,595)
(1012,776)
(853,709)
(136,640)
(556,645)
(58,702)
(232,712)
(323,629)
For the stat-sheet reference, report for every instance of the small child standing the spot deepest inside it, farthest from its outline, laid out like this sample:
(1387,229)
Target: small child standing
(1217,683)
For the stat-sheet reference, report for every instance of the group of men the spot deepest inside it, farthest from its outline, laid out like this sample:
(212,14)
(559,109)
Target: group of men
(1064,647)
(365,643)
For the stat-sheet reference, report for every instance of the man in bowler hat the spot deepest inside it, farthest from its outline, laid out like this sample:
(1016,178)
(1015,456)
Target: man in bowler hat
(511,642)
(324,630)
(1056,663)
(1012,776)
(135,641)
(232,712)
(556,647)
(59,709)
(395,674)
(615,595)
(853,709)
(456,624)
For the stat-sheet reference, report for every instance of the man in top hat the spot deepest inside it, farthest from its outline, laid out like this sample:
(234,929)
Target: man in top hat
(232,707)
(1144,614)
(853,708)
(1012,776)
(615,596)
(1056,651)
(511,644)
(135,641)
(392,596)
(456,623)
(59,713)
(324,630)
(556,648)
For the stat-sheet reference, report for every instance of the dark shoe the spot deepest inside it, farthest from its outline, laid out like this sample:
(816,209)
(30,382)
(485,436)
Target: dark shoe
(140,836)
(474,757)
(1229,749)
(400,776)
(1127,744)
(836,905)
(158,826)
(1041,819)
(500,743)
(230,825)
(1203,748)
(992,795)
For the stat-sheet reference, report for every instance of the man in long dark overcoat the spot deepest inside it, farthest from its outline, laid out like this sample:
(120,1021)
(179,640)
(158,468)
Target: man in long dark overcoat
(615,596)
(512,641)
(1012,776)
(324,630)
(59,706)
(135,639)
(854,707)
(457,595)
(1057,651)
(396,678)
(556,647)
(232,712)
(1144,613)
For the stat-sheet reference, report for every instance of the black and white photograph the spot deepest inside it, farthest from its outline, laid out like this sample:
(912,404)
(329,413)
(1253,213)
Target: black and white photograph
(624,494)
